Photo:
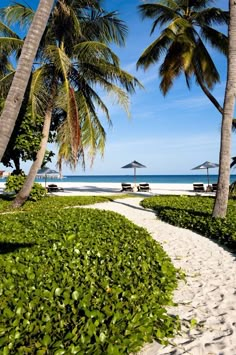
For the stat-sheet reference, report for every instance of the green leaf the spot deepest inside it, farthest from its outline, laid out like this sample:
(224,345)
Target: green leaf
(46,340)
(75,295)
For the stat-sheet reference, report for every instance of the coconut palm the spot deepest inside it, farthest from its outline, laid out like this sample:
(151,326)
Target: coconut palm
(21,77)
(181,45)
(69,75)
(221,201)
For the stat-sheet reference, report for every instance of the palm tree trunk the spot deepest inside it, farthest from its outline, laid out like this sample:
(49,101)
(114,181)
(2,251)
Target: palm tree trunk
(208,94)
(17,90)
(24,193)
(221,201)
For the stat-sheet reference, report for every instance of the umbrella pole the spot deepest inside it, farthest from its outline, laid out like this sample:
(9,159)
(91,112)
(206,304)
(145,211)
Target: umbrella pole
(208,177)
(134,177)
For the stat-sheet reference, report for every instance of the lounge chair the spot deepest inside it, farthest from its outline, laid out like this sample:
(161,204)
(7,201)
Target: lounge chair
(126,187)
(144,187)
(198,187)
(54,188)
(214,187)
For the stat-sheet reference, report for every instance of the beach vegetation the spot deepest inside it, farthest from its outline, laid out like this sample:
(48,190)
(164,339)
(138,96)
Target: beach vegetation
(73,61)
(14,184)
(195,213)
(56,201)
(81,280)
(188,28)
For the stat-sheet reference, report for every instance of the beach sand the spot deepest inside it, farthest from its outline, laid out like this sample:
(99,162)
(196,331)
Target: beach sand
(82,188)
(207,298)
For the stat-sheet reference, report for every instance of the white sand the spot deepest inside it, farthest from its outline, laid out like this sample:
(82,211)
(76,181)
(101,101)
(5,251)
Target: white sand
(80,188)
(209,294)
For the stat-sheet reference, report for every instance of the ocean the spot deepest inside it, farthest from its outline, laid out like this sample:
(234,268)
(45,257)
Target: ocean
(155,179)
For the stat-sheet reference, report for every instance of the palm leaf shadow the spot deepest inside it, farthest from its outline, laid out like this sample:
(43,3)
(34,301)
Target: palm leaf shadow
(8,247)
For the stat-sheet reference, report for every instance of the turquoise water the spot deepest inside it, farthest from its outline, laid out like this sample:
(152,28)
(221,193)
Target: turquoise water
(155,179)
(167,179)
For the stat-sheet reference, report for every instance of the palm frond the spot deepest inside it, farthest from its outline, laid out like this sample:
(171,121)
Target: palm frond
(205,65)
(200,5)
(7,31)
(5,83)
(17,14)
(105,27)
(212,16)
(216,39)
(158,11)
(94,102)
(171,67)
(93,133)
(233,162)
(96,51)
(156,49)
(10,45)
(58,57)
(39,92)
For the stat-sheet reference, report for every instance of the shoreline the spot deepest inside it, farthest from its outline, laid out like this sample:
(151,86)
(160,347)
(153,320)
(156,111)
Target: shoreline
(104,188)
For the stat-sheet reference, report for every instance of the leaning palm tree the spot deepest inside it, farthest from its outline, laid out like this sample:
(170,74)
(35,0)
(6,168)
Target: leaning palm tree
(16,93)
(188,26)
(221,201)
(73,71)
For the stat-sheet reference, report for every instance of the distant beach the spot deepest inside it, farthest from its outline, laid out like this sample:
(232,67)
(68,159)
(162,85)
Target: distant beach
(111,184)
(155,179)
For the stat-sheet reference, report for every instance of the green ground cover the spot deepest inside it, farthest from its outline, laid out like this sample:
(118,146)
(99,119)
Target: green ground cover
(76,281)
(56,201)
(194,212)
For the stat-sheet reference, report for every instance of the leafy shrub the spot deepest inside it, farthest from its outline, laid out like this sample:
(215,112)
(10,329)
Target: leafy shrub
(194,212)
(37,192)
(14,184)
(78,281)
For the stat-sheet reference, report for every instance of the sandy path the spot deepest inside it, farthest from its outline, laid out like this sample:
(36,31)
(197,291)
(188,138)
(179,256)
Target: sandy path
(209,293)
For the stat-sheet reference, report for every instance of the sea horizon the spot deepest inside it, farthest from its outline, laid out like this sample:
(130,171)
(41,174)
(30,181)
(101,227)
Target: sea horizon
(157,179)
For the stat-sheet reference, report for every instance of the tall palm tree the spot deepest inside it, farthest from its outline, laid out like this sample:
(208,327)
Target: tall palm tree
(221,201)
(22,75)
(182,42)
(75,69)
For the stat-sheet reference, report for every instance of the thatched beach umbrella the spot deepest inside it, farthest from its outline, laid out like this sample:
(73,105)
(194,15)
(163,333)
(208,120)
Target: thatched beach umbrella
(47,172)
(134,164)
(206,165)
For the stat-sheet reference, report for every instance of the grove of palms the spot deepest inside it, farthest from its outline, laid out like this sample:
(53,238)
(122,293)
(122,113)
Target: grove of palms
(75,60)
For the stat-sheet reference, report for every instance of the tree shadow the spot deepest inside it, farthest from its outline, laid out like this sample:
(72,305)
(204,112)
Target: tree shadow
(8,247)
(189,211)
(7,197)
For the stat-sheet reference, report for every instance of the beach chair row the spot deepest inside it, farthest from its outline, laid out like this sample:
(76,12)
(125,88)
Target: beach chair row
(199,187)
(54,188)
(142,187)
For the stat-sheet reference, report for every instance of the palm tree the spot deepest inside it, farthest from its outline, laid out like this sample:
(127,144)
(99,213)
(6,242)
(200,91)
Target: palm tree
(23,72)
(221,201)
(188,24)
(72,71)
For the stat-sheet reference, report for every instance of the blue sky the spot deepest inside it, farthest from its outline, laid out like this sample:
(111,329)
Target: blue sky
(169,135)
